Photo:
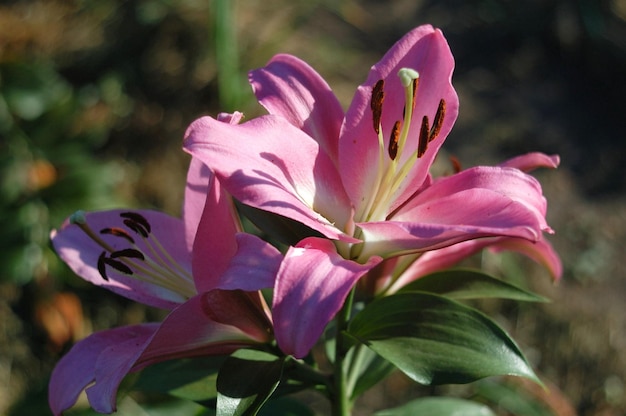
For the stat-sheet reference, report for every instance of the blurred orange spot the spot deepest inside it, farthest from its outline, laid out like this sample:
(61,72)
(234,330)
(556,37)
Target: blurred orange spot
(62,319)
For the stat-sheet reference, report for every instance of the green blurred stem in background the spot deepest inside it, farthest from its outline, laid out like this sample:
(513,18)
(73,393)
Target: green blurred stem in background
(226,54)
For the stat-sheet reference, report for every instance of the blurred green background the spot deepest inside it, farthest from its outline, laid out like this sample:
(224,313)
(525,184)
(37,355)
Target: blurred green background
(95,98)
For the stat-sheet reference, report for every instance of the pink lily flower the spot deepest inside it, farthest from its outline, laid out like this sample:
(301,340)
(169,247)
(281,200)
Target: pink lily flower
(361,178)
(397,272)
(164,261)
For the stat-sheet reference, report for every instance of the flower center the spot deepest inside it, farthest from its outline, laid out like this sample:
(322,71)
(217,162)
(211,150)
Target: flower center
(144,258)
(393,167)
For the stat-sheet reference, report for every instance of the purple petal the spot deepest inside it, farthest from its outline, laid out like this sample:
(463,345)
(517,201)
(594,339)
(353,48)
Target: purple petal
(425,50)
(290,88)
(78,368)
(311,287)
(165,250)
(269,164)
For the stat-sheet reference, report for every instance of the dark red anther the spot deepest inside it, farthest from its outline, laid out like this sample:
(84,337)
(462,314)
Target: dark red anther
(415,84)
(102,266)
(393,140)
(128,253)
(438,121)
(456,165)
(118,232)
(137,218)
(136,227)
(117,265)
(376,104)
(423,138)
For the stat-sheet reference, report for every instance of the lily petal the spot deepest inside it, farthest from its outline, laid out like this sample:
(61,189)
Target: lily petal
(532,161)
(212,323)
(253,267)
(312,285)
(199,180)
(165,248)
(269,164)
(215,244)
(77,369)
(540,251)
(510,183)
(425,50)
(289,87)
(441,222)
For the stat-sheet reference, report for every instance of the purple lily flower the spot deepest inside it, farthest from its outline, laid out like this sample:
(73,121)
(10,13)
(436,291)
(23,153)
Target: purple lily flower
(361,178)
(201,268)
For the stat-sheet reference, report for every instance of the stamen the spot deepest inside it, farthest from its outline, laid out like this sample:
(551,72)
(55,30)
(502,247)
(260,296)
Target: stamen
(138,218)
(136,227)
(128,253)
(423,138)
(376,104)
(118,232)
(117,265)
(393,140)
(102,266)
(438,121)
(456,165)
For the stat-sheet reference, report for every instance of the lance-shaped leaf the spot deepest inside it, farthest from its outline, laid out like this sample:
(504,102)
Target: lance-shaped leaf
(469,284)
(435,340)
(438,406)
(245,382)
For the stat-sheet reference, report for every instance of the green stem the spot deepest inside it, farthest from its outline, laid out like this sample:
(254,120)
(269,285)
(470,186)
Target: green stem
(341,404)
(226,54)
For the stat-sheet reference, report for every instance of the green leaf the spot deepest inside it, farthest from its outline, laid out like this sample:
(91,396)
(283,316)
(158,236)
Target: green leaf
(435,340)
(438,406)
(191,379)
(365,369)
(469,284)
(510,398)
(245,381)
(285,406)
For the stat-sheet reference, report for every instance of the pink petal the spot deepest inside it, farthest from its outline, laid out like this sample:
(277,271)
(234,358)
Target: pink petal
(532,161)
(215,243)
(253,267)
(81,253)
(290,88)
(540,251)
(213,323)
(441,222)
(311,287)
(77,369)
(511,183)
(432,261)
(425,50)
(199,179)
(269,164)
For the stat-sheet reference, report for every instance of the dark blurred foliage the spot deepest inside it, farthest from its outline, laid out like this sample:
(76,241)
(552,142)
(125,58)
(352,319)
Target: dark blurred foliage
(95,97)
